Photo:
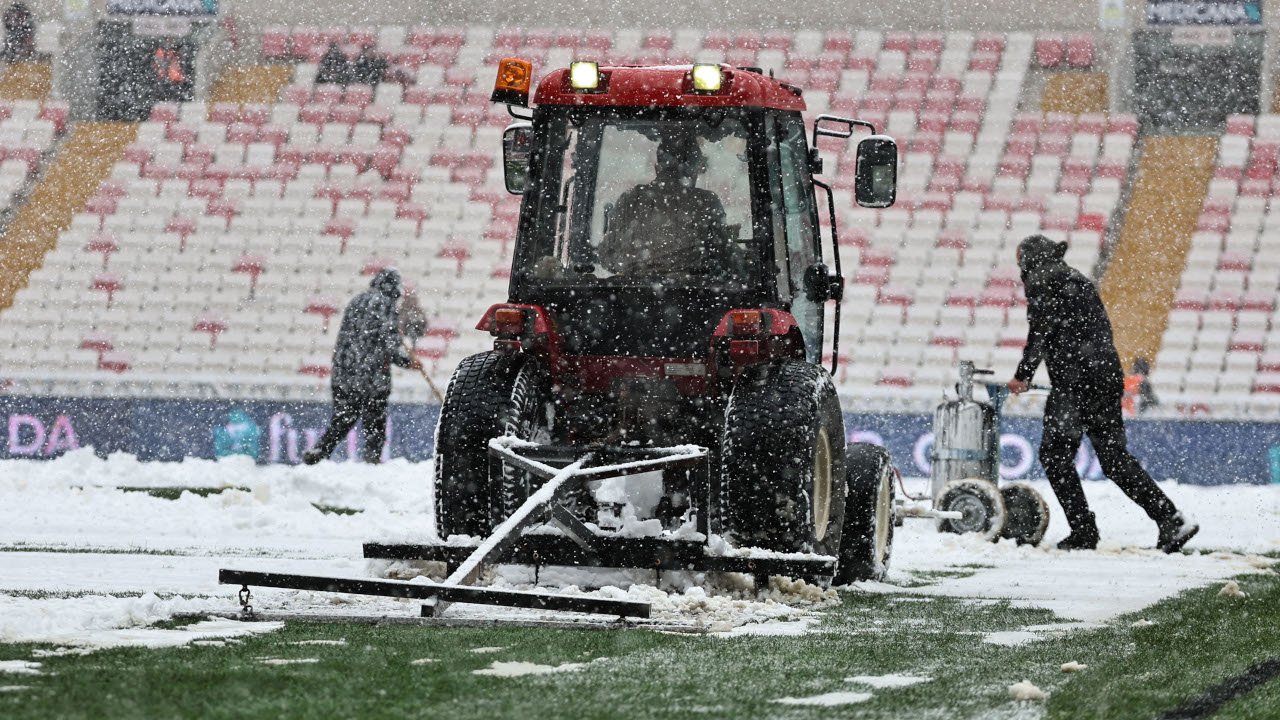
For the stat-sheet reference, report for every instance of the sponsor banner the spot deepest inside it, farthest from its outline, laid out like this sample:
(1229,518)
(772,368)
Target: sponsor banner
(270,432)
(186,8)
(1204,12)
(1200,452)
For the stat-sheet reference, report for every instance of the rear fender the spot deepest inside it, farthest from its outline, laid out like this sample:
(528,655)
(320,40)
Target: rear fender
(536,334)
(735,346)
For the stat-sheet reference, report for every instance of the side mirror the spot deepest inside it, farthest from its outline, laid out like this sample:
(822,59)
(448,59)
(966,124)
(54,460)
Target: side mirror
(876,179)
(517,146)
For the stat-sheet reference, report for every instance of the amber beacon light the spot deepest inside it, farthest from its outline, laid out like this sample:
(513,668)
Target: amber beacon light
(513,82)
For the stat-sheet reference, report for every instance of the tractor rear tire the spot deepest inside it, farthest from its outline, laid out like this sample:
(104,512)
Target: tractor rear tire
(868,515)
(490,395)
(783,461)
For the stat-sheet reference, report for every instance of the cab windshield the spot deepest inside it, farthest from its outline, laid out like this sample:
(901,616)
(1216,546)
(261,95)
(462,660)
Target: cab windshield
(650,197)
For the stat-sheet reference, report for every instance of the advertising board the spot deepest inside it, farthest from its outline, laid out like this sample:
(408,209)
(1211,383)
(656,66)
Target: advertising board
(1201,452)
(1204,12)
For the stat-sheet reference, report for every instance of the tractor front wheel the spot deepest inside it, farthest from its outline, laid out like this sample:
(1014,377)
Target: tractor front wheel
(868,515)
(490,395)
(783,461)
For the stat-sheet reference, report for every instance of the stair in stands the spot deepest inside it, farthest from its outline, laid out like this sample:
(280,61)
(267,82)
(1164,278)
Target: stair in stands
(1142,276)
(26,81)
(250,84)
(83,161)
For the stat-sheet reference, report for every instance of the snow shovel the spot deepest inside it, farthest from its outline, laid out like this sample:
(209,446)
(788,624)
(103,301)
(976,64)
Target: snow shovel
(425,376)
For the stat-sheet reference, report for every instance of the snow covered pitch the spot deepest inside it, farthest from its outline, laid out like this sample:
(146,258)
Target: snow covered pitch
(89,560)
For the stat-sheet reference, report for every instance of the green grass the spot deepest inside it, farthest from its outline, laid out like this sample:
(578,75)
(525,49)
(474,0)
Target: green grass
(173,493)
(77,550)
(1198,640)
(335,509)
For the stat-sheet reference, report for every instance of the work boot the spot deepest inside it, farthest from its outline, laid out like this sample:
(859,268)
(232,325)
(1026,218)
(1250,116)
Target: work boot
(1175,532)
(311,457)
(1084,534)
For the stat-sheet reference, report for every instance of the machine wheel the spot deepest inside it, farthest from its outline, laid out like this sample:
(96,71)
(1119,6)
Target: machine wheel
(980,502)
(783,460)
(867,540)
(1027,514)
(490,395)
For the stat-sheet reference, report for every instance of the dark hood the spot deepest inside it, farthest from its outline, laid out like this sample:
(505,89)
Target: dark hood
(387,282)
(1037,251)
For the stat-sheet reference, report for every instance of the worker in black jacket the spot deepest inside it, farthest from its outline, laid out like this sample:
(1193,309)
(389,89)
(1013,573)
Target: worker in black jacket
(1069,331)
(368,344)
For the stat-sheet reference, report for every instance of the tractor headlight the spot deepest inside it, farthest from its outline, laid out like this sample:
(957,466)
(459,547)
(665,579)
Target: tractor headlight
(707,78)
(584,75)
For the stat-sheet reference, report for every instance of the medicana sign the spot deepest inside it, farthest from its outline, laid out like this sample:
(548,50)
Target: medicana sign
(1204,12)
(1201,452)
(186,8)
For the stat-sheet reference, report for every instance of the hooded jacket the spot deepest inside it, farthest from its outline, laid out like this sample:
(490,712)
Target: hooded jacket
(369,340)
(1068,326)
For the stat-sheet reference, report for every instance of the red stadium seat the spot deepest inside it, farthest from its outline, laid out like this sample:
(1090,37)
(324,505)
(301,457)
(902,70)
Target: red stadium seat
(114,362)
(323,306)
(1080,51)
(989,42)
(107,283)
(1240,125)
(1050,50)
(251,265)
(275,43)
(165,112)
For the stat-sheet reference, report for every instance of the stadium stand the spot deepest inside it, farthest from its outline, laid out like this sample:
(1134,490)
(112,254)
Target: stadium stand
(229,235)
(1221,348)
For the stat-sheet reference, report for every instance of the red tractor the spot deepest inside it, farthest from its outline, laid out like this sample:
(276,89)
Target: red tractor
(668,288)
(665,317)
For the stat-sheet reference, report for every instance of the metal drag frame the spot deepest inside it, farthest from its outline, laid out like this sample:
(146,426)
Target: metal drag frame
(578,546)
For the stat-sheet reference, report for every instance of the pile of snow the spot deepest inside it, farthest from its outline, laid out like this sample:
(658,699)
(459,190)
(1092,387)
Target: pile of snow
(287,661)
(887,681)
(1025,690)
(1232,590)
(74,500)
(827,699)
(95,622)
(19,667)
(518,669)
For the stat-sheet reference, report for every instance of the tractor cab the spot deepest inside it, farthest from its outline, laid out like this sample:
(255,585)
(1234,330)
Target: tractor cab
(657,200)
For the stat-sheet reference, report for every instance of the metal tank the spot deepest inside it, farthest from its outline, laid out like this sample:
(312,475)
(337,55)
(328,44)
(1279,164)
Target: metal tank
(965,436)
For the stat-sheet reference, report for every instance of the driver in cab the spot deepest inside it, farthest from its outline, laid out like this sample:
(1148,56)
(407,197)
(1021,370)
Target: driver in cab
(668,225)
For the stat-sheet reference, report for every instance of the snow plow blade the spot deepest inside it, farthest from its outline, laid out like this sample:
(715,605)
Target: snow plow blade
(436,591)
(615,552)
